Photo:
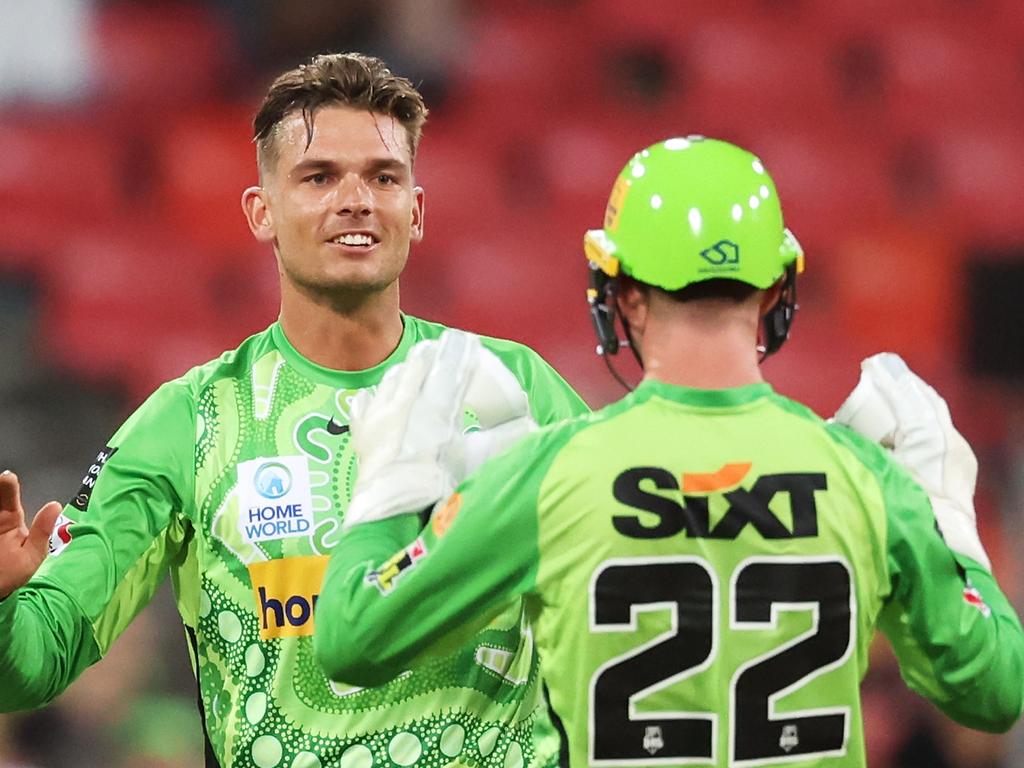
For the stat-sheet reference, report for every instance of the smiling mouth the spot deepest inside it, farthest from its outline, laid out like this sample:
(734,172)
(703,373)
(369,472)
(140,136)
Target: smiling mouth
(353,240)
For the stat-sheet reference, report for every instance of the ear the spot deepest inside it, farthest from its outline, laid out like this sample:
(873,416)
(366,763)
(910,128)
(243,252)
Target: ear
(633,301)
(416,230)
(771,297)
(257,213)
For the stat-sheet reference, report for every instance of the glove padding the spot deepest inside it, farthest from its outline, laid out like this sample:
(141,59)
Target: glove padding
(894,406)
(408,435)
(500,405)
(400,432)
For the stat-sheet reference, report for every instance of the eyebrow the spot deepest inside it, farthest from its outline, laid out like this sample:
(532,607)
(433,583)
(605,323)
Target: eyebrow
(374,165)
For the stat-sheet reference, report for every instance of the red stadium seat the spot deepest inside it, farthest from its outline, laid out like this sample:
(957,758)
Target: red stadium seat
(983,171)
(460,172)
(59,174)
(159,54)
(56,160)
(1010,16)
(205,159)
(755,73)
(661,20)
(534,59)
(938,75)
(830,181)
(142,306)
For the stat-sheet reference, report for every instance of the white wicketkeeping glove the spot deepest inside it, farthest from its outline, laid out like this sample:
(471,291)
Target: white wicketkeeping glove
(501,406)
(895,407)
(405,433)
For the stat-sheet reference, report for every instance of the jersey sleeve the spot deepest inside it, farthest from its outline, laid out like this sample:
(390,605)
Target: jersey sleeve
(957,638)
(394,592)
(110,551)
(551,398)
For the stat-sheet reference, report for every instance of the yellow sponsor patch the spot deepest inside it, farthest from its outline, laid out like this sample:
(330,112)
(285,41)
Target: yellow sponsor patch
(598,249)
(286,592)
(615,202)
(442,520)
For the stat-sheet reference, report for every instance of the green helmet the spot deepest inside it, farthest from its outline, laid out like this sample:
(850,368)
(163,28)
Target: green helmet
(692,209)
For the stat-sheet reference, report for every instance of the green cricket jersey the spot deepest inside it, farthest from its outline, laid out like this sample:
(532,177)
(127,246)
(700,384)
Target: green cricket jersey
(706,569)
(234,479)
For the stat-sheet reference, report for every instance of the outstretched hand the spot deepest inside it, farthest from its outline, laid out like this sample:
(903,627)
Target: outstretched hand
(22,547)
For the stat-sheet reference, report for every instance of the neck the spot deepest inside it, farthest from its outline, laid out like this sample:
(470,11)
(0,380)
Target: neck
(702,345)
(342,332)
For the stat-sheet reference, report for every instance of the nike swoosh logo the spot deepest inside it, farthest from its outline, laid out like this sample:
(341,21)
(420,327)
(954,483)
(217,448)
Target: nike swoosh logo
(335,428)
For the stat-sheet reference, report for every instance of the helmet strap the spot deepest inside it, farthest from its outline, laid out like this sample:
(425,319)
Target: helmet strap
(615,373)
(601,298)
(603,312)
(779,319)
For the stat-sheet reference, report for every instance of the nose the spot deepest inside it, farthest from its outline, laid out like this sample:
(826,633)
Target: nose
(352,196)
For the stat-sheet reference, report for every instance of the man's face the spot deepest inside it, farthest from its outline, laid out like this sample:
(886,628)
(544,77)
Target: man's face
(343,212)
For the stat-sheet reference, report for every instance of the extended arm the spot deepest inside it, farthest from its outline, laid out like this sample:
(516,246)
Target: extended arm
(958,639)
(35,676)
(108,554)
(393,591)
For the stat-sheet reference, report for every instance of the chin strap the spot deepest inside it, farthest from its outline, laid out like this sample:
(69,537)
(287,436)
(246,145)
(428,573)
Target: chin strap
(601,298)
(611,368)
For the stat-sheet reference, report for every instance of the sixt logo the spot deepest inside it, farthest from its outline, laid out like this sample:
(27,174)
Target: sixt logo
(725,254)
(273,480)
(384,578)
(286,592)
(746,506)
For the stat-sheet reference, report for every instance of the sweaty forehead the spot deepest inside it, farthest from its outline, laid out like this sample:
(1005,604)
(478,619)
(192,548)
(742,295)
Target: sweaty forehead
(339,130)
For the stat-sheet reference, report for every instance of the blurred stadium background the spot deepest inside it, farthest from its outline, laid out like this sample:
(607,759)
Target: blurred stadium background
(893,130)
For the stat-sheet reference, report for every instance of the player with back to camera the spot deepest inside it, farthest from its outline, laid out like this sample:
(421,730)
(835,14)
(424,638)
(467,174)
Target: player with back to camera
(235,477)
(707,560)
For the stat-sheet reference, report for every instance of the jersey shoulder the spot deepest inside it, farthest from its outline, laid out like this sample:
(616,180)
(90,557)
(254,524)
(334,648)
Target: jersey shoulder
(868,453)
(902,494)
(229,364)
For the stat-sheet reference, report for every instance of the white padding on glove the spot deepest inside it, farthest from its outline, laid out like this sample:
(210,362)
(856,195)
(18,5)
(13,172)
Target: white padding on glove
(894,406)
(497,399)
(405,434)
(495,394)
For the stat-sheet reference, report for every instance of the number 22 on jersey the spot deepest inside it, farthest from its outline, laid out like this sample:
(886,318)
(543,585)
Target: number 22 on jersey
(687,587)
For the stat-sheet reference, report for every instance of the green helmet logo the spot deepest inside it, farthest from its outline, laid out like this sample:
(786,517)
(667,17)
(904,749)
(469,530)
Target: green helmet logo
(692,209)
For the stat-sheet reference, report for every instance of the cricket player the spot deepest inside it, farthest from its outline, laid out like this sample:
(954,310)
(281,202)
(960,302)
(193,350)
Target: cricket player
(705,560)
(234,479)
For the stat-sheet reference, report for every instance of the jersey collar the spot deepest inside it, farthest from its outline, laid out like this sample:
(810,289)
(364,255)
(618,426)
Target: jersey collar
(703,398)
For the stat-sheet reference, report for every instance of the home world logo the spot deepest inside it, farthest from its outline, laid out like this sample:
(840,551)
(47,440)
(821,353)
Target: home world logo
(275,500)
(273,480)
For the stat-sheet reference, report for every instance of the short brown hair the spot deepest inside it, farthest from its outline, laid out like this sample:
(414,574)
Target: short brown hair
(349,79)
